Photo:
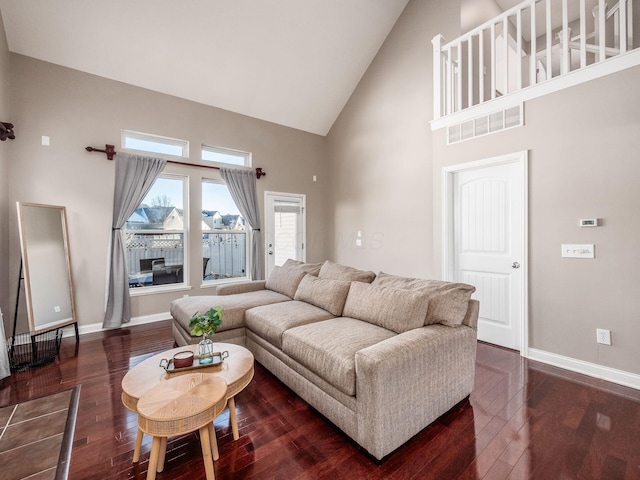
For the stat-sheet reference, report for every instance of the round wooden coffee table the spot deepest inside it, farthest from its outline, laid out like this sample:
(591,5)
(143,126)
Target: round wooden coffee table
(178,406)
(236,370)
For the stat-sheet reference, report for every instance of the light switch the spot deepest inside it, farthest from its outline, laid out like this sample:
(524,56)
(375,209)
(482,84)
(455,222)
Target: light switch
(45,140)
(571,250)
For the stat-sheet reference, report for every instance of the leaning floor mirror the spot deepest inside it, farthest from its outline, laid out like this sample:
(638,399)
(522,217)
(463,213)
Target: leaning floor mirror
(46,266)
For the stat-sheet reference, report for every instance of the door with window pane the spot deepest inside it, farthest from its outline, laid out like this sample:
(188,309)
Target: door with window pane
(285,228)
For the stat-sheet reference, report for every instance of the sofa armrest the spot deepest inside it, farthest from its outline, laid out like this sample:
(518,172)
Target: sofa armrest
(244,287)
(406,382)
(473,311)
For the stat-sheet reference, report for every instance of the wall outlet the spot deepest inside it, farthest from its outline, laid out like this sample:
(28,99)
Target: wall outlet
(56,309)
(603,336)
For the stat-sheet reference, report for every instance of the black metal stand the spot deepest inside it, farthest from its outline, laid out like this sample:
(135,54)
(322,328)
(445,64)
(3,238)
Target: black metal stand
(45,345)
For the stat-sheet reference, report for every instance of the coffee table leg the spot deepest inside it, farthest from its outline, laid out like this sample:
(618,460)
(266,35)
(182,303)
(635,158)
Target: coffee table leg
(214,442)
(232,416)
(136,450)
(206,452)
(162,455)
(153,459)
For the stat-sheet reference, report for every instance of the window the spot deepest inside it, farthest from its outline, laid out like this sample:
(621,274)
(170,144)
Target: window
(226,156)
(155,235)
(146,142)
(224,234)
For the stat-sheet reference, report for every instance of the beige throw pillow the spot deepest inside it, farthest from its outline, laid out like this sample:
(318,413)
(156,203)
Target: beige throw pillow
(311,268)
(335,271)
(390,308)
(285,280)
(448,301)
(327,294)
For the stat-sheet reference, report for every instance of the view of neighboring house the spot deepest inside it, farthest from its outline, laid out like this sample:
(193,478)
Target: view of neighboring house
(213,220)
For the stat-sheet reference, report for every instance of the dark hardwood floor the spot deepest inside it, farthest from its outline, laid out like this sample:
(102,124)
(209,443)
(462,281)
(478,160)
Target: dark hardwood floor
(523,420)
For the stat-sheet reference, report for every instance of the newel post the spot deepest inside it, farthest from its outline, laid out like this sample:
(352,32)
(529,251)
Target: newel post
(437,43)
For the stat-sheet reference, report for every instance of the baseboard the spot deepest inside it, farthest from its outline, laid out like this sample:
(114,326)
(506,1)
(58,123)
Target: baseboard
(69,331)
(592,369)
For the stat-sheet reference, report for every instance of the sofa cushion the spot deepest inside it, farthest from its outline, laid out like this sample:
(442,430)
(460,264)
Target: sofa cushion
(335,271)
(448,301)
(390,308)
(325,293)
(233,307)
(328,348)
(311,268)
(285,280)
(271,321)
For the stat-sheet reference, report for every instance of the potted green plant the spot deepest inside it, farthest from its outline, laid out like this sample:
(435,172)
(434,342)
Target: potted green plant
(205,326)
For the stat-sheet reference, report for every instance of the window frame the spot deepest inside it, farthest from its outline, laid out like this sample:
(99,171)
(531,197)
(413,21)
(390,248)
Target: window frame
(185,284)
(247,233)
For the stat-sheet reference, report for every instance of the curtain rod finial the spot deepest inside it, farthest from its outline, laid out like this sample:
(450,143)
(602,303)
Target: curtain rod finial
(110,150)
(260,173)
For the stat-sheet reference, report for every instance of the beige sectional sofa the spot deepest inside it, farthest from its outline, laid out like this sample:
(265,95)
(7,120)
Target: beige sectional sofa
(381,356)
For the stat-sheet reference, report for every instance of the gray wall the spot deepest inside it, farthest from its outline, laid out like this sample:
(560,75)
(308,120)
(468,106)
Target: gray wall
(380,151)
(583,143)
(77,109)
(5,116)
(583,163)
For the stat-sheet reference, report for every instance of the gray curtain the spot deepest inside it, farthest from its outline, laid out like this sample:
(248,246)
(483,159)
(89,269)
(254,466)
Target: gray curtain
(135,176)
(242,186)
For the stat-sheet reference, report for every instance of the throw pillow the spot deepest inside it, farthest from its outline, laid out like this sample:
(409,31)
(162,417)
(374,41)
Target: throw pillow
(327,294)
(390,308)
(335,271)
(312,268)
(285,280)
(448,301)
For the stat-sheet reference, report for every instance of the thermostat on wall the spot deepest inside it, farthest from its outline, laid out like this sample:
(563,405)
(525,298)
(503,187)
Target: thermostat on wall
(588,222)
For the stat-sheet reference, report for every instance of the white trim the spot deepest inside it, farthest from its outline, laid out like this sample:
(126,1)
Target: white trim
(69,330)
(587,368)
(520,158)
(591,72)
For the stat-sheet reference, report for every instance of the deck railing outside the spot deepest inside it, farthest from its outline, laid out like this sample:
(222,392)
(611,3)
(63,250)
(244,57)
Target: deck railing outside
(533,42)
(226,251)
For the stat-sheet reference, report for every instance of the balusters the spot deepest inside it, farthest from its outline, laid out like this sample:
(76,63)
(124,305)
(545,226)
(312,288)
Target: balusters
(583,34)
(533,47)
(500,66)
(549,65)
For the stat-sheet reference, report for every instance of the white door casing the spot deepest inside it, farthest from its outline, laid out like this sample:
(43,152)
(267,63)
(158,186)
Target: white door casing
(285,228)
(485,242)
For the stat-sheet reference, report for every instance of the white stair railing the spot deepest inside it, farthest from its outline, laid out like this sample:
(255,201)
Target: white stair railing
(526,45)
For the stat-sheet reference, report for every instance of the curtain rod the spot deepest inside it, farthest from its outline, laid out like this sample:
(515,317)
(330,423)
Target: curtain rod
(110,151)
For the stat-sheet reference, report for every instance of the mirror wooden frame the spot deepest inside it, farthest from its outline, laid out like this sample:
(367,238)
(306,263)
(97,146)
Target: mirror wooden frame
(46,266)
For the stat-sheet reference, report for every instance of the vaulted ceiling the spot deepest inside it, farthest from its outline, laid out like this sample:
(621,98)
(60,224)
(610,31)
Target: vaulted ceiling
(291,62)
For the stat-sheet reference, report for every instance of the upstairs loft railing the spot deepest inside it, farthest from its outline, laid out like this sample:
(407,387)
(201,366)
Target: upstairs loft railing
(532,43)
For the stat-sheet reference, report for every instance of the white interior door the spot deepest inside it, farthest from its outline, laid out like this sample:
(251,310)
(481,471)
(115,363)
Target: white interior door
(488,244)
(285,228)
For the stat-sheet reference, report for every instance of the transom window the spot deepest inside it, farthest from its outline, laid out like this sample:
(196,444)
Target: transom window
(146,142)
(225,156)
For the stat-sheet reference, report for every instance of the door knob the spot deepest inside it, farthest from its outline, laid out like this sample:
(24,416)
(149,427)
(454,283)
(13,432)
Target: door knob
(515,265)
